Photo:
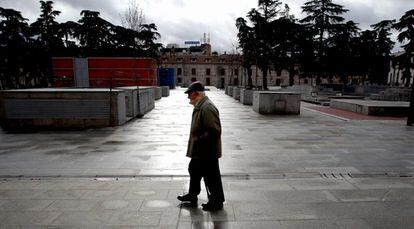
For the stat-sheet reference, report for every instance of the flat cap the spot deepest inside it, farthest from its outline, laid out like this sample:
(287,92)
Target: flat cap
(195,86)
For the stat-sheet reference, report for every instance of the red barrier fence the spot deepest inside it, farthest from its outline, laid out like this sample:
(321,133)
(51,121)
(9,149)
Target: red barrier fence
(104,72)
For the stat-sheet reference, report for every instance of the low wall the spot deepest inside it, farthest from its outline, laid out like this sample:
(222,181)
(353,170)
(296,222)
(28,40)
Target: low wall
(52,108)
(268,102)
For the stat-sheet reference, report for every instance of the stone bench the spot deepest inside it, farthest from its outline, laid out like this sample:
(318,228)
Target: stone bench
(272,102)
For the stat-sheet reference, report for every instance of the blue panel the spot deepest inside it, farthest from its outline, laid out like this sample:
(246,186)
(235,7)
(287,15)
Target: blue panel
(166,77)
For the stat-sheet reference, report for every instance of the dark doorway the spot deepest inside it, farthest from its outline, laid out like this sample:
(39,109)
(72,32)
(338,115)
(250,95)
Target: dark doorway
(277,82)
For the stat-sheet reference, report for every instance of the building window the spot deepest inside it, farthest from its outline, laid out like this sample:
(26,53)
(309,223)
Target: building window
(208,72)
(179,80)
(193,71)
(193,59)
(208,81)
(179,71)
(208,60)
(193,79)
(306,81)
(236,72)
(222,72)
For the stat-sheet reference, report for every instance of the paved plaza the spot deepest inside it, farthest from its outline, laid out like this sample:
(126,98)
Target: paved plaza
(313,170)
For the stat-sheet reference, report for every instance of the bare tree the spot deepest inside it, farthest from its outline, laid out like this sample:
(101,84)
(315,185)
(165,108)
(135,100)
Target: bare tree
(133,17)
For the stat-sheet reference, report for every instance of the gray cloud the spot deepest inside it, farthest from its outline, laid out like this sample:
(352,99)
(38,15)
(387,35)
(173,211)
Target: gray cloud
(180,20)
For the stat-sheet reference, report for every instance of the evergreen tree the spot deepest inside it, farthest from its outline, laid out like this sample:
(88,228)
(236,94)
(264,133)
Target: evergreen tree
(262,18)
(247,45)
(383,46)
(406,27)
(94,33)
(13,48)
(47,41)
(323,15)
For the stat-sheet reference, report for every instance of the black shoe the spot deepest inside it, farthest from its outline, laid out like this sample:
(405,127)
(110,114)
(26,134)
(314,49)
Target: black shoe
(212,206)
(188,198)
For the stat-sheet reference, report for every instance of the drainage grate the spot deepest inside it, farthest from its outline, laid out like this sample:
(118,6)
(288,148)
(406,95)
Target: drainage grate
(339,176)
(365,175)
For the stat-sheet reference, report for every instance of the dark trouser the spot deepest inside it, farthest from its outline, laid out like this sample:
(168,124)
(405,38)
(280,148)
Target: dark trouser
(210,171)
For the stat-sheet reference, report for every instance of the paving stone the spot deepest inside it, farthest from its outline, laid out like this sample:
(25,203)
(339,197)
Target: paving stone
(152,194)
(296,197)
(360,195)
(27,217)
(22,185)
(326,224)
(385,223)
(119,205)
(24,205)
(135,218)
(72,205)
(22,194)
(382,183)
(266,211)
(61,194)
(82,218)
(104,194)
(320,184)
(346,210)
(402,208)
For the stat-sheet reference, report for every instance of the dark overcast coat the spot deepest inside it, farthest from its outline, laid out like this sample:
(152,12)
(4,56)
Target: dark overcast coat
(205,134)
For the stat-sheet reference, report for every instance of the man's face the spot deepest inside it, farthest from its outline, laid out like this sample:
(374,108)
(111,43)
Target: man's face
(192,96)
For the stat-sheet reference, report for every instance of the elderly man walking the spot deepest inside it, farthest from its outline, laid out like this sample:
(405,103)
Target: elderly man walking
(204,149)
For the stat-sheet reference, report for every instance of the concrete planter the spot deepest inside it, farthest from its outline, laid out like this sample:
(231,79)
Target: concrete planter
(157,93)
(165,91)
(58,108)
(246,96)
(230,91)
(372,107)
(268,102)
(236,93)
(139,100)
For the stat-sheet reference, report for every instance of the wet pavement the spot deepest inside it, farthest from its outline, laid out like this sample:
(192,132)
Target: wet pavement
(315,170)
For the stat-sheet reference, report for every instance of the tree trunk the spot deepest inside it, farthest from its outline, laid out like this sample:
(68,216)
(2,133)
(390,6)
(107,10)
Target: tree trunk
(264,83)
(249,78)
(292,75)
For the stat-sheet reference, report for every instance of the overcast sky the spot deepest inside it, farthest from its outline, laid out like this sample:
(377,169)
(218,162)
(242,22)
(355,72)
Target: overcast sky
(181,20)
